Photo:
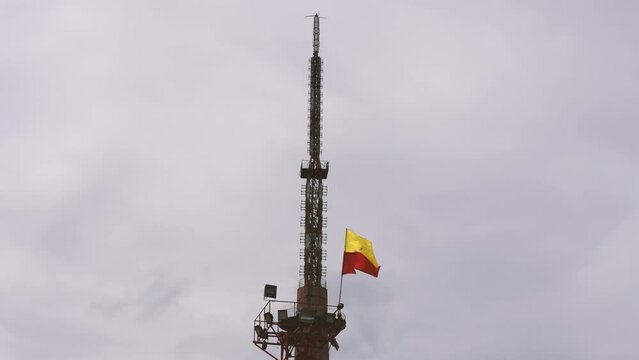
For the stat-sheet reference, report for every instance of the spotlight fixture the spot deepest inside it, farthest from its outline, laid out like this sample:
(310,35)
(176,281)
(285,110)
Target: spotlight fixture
(260,332)
(282,315)
(268,317)
(270,291)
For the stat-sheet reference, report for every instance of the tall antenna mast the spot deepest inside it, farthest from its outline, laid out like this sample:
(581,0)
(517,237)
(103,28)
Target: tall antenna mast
(314,171)
(311,331)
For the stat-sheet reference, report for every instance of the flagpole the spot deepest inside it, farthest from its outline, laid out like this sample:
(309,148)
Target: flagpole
(339,300)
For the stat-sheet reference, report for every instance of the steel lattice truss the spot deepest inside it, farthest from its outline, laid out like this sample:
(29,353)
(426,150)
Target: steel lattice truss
(306,329)
(314,171)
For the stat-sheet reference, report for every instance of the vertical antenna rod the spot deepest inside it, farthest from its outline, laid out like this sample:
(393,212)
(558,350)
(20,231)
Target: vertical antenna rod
(315,34)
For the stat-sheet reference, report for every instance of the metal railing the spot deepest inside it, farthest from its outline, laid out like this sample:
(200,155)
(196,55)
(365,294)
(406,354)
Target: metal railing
(267,330)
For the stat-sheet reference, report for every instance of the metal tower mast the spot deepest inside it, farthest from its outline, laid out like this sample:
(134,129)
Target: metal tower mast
(311,330)
(312,294)
(312,290)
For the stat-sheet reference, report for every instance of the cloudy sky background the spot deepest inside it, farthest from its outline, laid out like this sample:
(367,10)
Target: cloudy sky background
(150,154)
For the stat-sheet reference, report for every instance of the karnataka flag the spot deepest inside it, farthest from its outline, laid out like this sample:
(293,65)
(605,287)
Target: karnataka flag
(358,255)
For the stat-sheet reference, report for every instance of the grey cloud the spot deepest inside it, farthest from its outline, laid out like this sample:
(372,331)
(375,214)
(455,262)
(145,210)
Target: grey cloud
(150,153)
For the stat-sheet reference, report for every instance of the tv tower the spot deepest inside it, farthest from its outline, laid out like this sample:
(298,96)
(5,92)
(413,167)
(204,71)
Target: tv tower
(312,291)
(306,329)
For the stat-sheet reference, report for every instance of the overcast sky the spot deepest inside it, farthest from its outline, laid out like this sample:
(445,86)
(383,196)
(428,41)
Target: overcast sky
(149,188)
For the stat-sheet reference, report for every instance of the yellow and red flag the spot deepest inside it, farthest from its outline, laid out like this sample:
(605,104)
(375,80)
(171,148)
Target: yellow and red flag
(358,255)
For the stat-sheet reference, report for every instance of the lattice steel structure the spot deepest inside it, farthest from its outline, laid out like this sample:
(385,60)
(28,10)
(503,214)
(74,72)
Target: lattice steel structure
(314,171)
(307,329)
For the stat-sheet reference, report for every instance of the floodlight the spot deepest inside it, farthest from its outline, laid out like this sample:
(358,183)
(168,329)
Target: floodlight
(282,315)
(268,317)
(270,291)
(260,332)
